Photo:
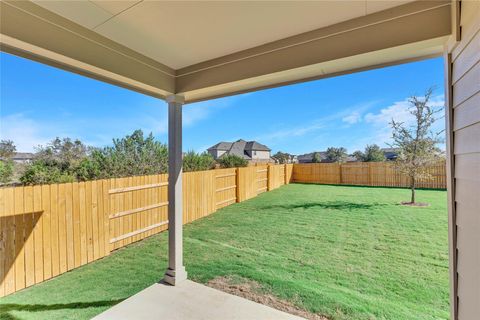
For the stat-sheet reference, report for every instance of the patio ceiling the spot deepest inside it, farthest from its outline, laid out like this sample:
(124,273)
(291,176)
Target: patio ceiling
(208,49)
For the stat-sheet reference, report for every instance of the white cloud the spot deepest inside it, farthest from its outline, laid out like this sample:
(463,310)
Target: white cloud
(25,132)
(353,118)
(318,124)
(196,112)
(399,111)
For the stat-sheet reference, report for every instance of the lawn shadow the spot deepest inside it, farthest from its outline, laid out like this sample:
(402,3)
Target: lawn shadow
(5,309)
(335,205)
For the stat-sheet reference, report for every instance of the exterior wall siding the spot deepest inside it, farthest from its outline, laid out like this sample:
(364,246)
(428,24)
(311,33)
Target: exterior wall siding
(463,123)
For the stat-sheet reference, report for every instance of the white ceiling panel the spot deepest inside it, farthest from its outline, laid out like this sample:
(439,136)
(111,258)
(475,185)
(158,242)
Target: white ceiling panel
(376,5)
(115,6)
(82,12)
(160,29)
(182,33)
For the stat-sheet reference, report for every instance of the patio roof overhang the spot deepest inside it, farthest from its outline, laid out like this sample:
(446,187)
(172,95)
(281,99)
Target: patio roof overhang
(192,51)
(217,49)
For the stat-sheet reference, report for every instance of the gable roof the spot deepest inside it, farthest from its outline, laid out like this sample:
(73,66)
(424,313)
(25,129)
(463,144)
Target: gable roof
(239,145)
(238,149)
(254,145)
(309,156)
(23,156)
(221,146)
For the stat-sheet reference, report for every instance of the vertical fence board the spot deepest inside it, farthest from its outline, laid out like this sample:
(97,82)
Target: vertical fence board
(106,213)
(2,241)
(47,251)
(83,223)
(76,224)
(62,230)
(89,220)
(19,239)
(9,263)
(38,233)
(95,221)
(29,240)
(69,238)
(54,229)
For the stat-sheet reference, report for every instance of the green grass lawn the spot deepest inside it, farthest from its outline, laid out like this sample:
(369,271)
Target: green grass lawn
(344,252)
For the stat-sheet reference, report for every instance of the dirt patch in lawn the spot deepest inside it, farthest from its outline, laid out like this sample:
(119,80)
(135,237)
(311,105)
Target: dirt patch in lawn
(416,204)
(253,291)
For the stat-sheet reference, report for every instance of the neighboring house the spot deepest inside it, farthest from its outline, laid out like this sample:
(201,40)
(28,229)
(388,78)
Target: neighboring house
(308,157)
(249,150)
(22,157)
(391,154)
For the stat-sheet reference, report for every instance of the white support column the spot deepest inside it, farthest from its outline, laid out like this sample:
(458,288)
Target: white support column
(176,271)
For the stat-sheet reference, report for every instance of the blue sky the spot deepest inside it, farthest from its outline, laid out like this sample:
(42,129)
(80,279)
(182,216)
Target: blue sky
(39,103)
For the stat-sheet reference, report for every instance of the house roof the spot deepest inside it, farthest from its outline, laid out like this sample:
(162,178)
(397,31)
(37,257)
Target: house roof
(23,156)
(390,153)
(221,146)
(238,149)
(309,156)
(254,145)
(240,145)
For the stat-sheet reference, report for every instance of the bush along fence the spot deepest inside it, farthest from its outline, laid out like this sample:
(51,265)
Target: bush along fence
(47,230)
(382,174)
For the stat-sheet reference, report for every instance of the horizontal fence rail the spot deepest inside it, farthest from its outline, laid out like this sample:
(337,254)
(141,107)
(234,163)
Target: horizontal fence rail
(384,174)
(47,230)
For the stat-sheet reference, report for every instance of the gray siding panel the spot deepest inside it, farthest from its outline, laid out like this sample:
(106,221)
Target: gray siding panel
(467,113)
(467,167)
(466,148)
(467,140)
(468,85)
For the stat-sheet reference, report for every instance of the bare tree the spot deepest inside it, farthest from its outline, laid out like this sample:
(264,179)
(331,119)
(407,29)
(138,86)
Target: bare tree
(417,143)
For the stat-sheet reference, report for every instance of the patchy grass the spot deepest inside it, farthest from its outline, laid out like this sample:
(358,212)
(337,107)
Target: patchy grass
(343,252)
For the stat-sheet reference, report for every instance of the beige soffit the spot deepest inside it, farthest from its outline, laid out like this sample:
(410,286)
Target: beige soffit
(362,62)
(182,33)
(34,32)
(413,23)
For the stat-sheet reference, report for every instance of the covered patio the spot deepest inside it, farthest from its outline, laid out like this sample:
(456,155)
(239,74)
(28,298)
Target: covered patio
(185,52)
(190,300)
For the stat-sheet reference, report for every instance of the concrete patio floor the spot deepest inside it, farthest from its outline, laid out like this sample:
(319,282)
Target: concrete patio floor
(190,300)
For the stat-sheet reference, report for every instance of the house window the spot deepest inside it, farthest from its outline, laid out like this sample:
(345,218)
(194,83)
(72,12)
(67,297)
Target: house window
(254,153)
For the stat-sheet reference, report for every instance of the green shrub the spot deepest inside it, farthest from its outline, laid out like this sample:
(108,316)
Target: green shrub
(40,172)
(193,161)
(6,171)
(232,161)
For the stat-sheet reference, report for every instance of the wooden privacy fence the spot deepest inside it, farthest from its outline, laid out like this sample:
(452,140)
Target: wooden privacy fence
(47,230)
(366,174)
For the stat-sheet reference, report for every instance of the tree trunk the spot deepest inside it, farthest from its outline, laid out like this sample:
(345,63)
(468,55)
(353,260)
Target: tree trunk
(412,187)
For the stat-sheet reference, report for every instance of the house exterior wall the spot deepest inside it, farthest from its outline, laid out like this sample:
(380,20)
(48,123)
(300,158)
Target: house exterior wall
(260,155)
(463,144)
(216,153)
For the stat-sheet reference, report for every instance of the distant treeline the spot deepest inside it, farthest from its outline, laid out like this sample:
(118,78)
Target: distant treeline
(67,160)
